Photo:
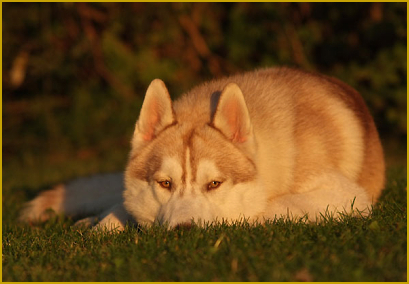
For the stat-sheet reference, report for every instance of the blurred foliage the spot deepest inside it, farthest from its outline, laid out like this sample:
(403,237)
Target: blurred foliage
(74,74)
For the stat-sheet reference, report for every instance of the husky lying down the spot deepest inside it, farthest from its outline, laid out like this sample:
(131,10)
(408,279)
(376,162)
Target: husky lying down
(257,145)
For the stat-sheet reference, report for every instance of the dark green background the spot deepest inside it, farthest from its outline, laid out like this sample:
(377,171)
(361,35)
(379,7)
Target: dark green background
(74,74)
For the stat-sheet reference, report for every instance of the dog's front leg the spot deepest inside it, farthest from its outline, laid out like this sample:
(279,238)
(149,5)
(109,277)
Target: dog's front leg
(113,219)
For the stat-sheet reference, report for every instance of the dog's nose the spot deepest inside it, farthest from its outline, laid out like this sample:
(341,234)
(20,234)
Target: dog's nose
(185,226)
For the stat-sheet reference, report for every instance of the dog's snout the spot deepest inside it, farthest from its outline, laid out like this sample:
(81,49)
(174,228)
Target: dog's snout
(184,226)
(184,212)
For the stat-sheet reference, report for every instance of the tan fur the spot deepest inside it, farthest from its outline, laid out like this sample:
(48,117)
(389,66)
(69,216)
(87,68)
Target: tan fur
(372,176)
(257,145)
(299,100)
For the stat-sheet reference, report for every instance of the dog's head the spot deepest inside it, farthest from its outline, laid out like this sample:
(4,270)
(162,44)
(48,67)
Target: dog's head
(201,170)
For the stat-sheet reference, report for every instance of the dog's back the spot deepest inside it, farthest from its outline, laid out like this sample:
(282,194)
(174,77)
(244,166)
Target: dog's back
(306,125)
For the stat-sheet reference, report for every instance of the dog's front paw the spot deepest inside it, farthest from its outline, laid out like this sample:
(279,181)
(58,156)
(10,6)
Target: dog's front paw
(86,222)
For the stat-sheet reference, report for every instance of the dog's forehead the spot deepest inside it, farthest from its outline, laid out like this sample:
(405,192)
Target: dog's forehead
(186,148)
(205,149)
(192,153)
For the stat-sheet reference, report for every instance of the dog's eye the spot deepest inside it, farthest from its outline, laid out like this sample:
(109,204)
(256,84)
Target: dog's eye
(165,184)
(214,184)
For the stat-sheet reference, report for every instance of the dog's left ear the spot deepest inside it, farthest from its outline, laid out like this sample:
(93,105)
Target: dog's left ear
(156,113)
(232,116)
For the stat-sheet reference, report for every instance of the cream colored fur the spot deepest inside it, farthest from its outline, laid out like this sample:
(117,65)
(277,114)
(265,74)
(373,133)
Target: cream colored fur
(259,145)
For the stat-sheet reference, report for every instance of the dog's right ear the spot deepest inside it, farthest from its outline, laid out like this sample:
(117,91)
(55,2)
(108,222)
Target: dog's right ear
(156,113)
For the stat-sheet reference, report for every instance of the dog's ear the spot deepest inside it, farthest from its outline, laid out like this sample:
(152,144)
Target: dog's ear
(156,113)
(232,117)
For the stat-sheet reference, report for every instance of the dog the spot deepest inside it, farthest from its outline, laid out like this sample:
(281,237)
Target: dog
(259,145)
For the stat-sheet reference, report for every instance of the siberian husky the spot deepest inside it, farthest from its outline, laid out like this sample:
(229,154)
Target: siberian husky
(255,146)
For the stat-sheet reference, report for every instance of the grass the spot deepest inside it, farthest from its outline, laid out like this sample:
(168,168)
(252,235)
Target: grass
(353,249)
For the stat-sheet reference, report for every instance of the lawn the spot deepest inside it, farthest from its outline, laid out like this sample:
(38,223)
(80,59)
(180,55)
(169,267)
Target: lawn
(353,249)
